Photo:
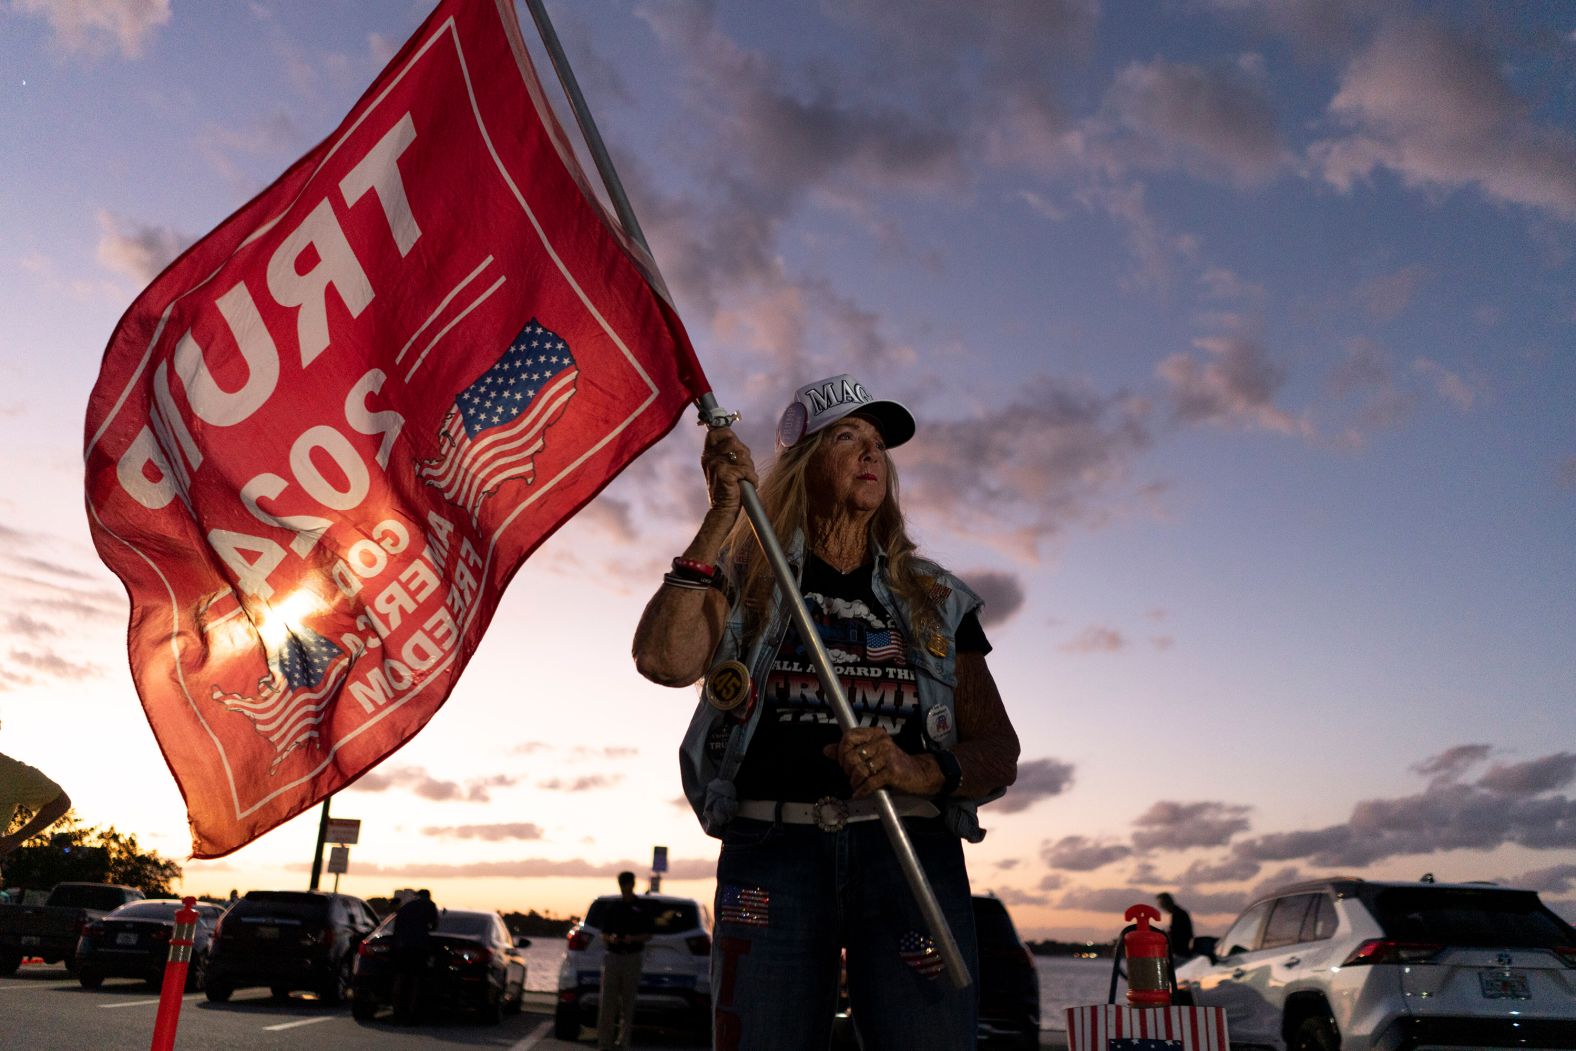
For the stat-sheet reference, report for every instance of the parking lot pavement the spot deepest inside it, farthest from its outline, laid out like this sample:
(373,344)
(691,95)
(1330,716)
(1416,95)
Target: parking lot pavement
(45,1009)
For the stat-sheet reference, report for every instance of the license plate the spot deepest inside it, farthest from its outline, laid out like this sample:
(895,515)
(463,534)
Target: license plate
(29,939)
(1504,985)
(125,939)
(268,933)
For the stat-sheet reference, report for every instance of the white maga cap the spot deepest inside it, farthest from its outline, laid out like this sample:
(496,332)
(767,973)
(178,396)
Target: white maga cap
(824,402)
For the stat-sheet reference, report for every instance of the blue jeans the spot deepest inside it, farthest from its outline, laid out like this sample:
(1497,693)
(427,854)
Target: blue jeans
(789,897)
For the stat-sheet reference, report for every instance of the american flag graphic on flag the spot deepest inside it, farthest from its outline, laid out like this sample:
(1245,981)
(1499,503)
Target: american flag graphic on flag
(1115,1027)
(744,906)
(885,644)
(292,702)
(919,952)
(499,423)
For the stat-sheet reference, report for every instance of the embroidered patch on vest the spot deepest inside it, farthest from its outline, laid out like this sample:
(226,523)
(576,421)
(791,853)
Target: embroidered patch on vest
(938,723)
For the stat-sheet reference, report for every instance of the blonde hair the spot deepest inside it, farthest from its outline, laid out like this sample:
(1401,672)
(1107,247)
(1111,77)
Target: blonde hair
(785,496)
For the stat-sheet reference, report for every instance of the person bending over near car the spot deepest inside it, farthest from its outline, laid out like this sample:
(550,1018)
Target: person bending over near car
(413,923)
(626,928)
(806,869)
(1181,931)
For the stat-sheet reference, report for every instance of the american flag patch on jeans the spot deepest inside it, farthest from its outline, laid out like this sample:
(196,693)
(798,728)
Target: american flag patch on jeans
(744,906)
(919,952)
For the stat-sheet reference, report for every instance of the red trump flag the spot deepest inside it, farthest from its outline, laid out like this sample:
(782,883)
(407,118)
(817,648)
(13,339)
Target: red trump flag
(326,437)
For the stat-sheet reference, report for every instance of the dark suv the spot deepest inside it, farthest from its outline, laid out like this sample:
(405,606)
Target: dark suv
(289,939)
(1009,986)
(1009,982)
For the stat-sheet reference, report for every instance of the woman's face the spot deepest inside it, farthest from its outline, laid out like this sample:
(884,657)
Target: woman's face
(848,471)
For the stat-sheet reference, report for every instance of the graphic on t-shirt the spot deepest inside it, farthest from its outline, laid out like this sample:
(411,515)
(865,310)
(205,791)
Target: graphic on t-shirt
(869,655)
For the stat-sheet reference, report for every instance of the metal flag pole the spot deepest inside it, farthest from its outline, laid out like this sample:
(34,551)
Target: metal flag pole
(713,416)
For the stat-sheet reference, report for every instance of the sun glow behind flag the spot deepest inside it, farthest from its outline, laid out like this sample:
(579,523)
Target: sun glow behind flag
(322,442)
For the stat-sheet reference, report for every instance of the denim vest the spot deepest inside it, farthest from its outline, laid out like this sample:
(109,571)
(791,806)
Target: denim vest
(708,782)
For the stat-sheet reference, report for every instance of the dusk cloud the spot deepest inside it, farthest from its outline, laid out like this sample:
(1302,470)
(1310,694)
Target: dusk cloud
(1082,854)
(1169,825)
(1001,592)
(1037,779)
(415,779)
(588,783)
(137,250)
(489,833)
(1234,384)
(96,27)
(1214,122)
(1068,454)
(1095,639)
(1435,107)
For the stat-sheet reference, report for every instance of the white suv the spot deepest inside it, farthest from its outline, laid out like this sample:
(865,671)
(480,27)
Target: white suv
(675,974)
(1351,965)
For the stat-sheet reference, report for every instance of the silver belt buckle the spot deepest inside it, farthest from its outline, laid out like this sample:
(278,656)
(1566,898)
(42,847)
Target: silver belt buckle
(830,813)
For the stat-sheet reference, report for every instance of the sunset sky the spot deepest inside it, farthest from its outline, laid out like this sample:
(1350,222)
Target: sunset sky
(1241,335)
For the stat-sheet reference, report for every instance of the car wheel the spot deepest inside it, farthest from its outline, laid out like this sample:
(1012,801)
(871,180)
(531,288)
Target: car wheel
(490,1011)
(9,962)
(218,992)
(566,1022)
(90,978)
(197,974)
(1316,1034)
(339,986)
(363,1005)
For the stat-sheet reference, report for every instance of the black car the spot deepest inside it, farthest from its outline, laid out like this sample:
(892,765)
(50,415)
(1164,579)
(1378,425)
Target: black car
(287,940)
(1009,1014)
(1009,986)
(133,941)
(472,965)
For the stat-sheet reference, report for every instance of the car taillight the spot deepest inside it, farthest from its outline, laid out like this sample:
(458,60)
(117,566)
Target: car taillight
(470,954)
(161,934)
(699,944)
(92,930)
(1567,953)
(1386,950)
(579,939)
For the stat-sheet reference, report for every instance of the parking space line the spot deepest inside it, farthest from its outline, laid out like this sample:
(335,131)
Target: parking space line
(298,1021)
(531,1039)
(145,1003)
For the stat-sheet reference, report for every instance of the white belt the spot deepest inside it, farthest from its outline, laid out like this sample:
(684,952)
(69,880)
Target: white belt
(830,814)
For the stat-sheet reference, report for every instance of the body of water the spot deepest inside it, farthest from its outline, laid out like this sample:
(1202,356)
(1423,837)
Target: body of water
(1064,981)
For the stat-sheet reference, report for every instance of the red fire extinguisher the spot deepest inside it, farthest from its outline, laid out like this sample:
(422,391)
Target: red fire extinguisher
(1148,960)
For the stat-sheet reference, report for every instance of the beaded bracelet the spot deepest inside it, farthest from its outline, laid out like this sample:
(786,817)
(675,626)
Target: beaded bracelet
(698,570)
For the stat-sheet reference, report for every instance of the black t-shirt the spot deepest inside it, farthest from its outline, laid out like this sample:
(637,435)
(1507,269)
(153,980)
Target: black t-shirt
(625,917)
(869,654)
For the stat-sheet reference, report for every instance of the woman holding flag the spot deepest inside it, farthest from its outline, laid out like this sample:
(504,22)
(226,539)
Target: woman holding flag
(806,873)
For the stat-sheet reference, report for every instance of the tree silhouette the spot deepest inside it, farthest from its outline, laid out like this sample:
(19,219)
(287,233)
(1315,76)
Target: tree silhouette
(73,852)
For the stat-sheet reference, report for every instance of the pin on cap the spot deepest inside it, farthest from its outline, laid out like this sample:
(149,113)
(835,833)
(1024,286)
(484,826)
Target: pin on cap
(824,402)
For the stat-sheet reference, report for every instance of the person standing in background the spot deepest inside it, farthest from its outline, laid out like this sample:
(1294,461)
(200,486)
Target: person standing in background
(626,928)
(414,921)
(1180,932)
(26,786)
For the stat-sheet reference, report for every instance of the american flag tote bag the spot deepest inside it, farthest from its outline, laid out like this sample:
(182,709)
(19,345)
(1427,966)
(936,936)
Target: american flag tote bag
(1114,1027)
